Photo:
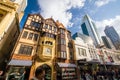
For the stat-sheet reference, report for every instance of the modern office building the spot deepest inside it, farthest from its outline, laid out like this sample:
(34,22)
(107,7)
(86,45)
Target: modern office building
(44,43)
(107,42)
(89,29)
(113,35)
(11,13)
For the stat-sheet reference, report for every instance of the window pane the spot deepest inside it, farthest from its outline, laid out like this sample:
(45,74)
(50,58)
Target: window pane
(21,49)
(24,34)
(79,51)
(46,26)
(50,27)
(24,49)
(55,29)
(35,24)
(30,36)
(63,41)
(35,37)
(29,50)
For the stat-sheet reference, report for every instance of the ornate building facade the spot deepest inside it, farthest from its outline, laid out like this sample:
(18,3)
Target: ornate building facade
(47,44)
(11,12)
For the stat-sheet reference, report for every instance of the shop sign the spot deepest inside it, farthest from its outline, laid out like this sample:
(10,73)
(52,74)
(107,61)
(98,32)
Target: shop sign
(21,57)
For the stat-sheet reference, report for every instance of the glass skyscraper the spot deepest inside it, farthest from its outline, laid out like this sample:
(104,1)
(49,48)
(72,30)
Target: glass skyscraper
(107,42)
(89,28)
(113,35)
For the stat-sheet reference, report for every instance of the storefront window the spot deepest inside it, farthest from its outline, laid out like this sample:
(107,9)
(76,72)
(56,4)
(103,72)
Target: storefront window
(67,74)
(16,73)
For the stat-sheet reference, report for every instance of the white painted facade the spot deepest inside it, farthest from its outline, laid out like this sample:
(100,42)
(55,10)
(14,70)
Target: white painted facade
(90,51)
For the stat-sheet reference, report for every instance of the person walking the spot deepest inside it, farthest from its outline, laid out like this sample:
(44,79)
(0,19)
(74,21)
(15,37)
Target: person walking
(39,74)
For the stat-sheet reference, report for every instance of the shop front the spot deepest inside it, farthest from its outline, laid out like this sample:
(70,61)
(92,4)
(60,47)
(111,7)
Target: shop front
(87,67)
(19,69)
(66,71)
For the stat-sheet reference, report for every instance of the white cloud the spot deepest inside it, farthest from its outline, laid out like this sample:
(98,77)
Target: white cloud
(59,9)
(115,22)
(100,3)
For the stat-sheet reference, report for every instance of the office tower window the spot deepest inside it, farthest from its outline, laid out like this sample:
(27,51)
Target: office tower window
(84,29)
(113,35)
(35,37)
(30,36)
(25,34)
(35,24)
(24,49)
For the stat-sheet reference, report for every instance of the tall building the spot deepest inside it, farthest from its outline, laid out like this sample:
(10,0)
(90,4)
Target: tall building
(89,28)
(107,42)
(113,35)
(44,43)
(11,12)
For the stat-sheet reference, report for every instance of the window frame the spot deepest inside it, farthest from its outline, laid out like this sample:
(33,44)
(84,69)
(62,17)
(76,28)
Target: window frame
(25,49)
(25,34)
(35,37)
(30,36)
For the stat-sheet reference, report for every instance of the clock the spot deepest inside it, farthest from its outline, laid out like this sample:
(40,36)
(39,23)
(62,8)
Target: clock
(48,51)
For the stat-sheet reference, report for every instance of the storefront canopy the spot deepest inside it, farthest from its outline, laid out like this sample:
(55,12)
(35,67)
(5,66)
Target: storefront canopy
(66,65)
(94,61)
(20,62)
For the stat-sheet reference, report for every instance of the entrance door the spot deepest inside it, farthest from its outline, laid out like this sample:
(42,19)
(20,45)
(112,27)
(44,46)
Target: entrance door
(47,70)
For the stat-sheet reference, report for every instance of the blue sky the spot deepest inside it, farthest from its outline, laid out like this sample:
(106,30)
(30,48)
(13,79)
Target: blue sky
(70,12)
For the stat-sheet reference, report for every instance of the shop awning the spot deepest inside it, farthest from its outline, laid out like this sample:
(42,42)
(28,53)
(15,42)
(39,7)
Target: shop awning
(20,62)
(94,61)
(66,65)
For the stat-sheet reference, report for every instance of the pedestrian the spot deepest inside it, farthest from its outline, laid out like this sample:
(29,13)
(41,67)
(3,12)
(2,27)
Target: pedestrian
(39,74)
